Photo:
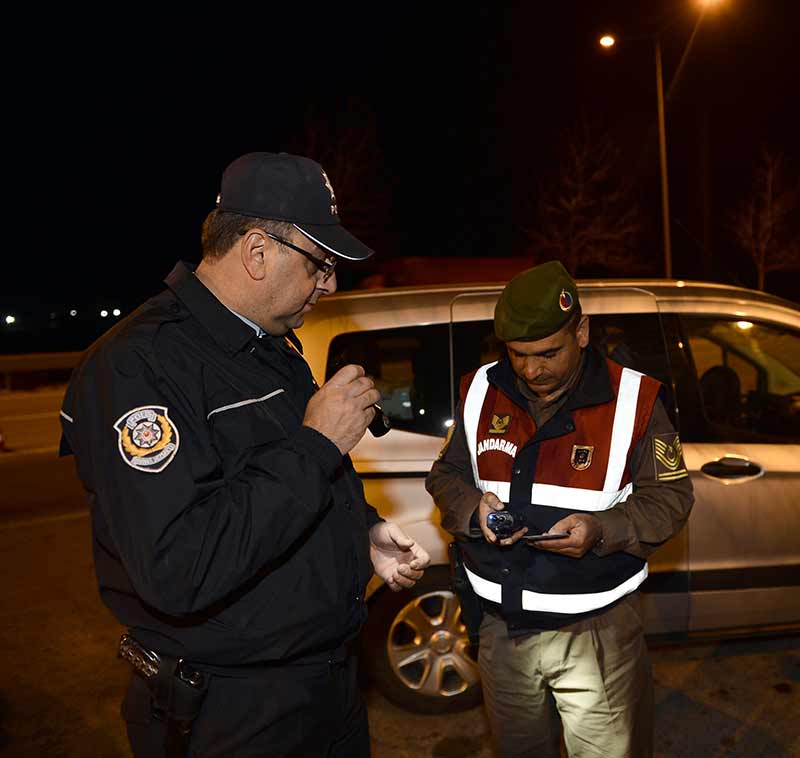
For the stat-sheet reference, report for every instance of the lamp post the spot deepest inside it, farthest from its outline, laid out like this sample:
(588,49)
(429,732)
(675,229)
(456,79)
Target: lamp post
(607,41)
(662,157)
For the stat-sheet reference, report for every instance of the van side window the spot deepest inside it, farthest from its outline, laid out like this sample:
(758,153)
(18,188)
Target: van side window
(411,369)
(411,365)
(634,340)
(748,375)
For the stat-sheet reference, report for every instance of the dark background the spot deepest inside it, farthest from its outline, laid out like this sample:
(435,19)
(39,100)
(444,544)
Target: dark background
(120,122)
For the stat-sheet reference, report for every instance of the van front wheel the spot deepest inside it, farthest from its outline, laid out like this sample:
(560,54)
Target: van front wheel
(416,649)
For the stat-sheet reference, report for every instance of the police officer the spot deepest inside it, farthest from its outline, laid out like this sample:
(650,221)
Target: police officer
(231,533)
(568,443)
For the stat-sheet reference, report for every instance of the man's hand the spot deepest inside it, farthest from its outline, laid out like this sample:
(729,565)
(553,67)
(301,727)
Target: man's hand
(396,558)
(490,502)
(342,409)
(584,531)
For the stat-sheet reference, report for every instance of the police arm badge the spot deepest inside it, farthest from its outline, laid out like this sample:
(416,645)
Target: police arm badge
(147,438)
(668,458)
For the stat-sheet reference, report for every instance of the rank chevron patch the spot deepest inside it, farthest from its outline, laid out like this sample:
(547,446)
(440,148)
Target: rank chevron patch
(668,457)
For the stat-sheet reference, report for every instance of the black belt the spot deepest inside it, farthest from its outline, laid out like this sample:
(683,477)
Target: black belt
(332,656)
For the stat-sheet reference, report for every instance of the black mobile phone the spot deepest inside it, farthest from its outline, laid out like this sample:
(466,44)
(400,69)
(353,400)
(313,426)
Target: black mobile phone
(543,537)
(380,424)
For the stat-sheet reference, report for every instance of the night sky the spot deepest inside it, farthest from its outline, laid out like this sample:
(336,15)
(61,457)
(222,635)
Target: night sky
(120,125)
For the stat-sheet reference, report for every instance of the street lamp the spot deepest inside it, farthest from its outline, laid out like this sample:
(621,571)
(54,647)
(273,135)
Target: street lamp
(608,41)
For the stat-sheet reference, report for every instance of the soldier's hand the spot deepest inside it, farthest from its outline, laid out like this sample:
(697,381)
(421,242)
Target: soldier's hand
(583,531)
(488,503)
(342,409)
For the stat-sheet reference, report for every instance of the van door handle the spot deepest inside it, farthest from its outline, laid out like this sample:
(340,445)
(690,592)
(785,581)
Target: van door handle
(732,469)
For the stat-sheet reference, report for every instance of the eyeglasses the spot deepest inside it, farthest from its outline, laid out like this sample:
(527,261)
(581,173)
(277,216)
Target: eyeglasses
(326,265)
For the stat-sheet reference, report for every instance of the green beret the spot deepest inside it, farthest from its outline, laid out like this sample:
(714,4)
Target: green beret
(535,303)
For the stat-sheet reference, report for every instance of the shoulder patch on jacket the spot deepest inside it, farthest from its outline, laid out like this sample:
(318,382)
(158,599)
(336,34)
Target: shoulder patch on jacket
(147,438)
(446,442)
(668,457)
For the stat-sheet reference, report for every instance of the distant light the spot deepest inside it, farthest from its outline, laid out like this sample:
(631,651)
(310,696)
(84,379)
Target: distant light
(73,312)
(116,311)
(680,283)
(744,325)
(406,403)
(680,345)
(103,313)
(421,411)
(607,41)
(448,423)
(10,319)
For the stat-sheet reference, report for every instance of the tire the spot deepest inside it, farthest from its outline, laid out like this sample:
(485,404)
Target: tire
(415,649)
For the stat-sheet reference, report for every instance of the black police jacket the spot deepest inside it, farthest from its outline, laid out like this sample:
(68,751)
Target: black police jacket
(225,531)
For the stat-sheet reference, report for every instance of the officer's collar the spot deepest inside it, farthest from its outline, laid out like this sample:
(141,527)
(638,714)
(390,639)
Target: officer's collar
(593,388)
(225,327)
(259,332)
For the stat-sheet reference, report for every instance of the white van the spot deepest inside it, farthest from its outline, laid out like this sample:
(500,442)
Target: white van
(731,358)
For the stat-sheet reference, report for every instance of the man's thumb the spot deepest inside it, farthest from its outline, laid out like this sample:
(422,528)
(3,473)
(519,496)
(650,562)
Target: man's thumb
(400,538)
(494,502)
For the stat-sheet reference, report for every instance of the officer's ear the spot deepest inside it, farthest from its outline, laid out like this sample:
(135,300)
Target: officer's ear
(582,331)
(253,253)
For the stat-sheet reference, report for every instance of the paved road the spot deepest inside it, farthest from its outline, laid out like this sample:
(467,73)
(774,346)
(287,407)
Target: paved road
(38,482)
(29,420)
(61,685)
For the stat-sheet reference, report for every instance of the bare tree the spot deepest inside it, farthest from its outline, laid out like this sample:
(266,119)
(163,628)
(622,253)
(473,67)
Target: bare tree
(344,141)
(766,224)
(586,214)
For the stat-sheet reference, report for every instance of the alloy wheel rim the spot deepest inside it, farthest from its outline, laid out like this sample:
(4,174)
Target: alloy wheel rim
(429,649)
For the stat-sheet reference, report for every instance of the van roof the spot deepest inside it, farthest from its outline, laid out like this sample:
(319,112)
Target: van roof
(661,288)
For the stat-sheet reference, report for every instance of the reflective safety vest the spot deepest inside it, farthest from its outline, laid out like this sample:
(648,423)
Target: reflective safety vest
(580,463)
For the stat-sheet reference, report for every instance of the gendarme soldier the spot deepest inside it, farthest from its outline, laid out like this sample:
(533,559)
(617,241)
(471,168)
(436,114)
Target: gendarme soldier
(560,476)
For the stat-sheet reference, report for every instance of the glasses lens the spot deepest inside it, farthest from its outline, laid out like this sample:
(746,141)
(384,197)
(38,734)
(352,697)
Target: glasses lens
(327,271)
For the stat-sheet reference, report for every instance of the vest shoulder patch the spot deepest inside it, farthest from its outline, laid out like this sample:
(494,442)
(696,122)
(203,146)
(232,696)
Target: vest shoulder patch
(446,442)
(499,424)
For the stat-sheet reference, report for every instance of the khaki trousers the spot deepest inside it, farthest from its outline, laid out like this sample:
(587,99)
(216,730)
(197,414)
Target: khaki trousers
(593,674)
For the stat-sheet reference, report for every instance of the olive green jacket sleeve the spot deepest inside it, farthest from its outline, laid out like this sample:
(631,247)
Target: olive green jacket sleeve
(658,507)
(452,486)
